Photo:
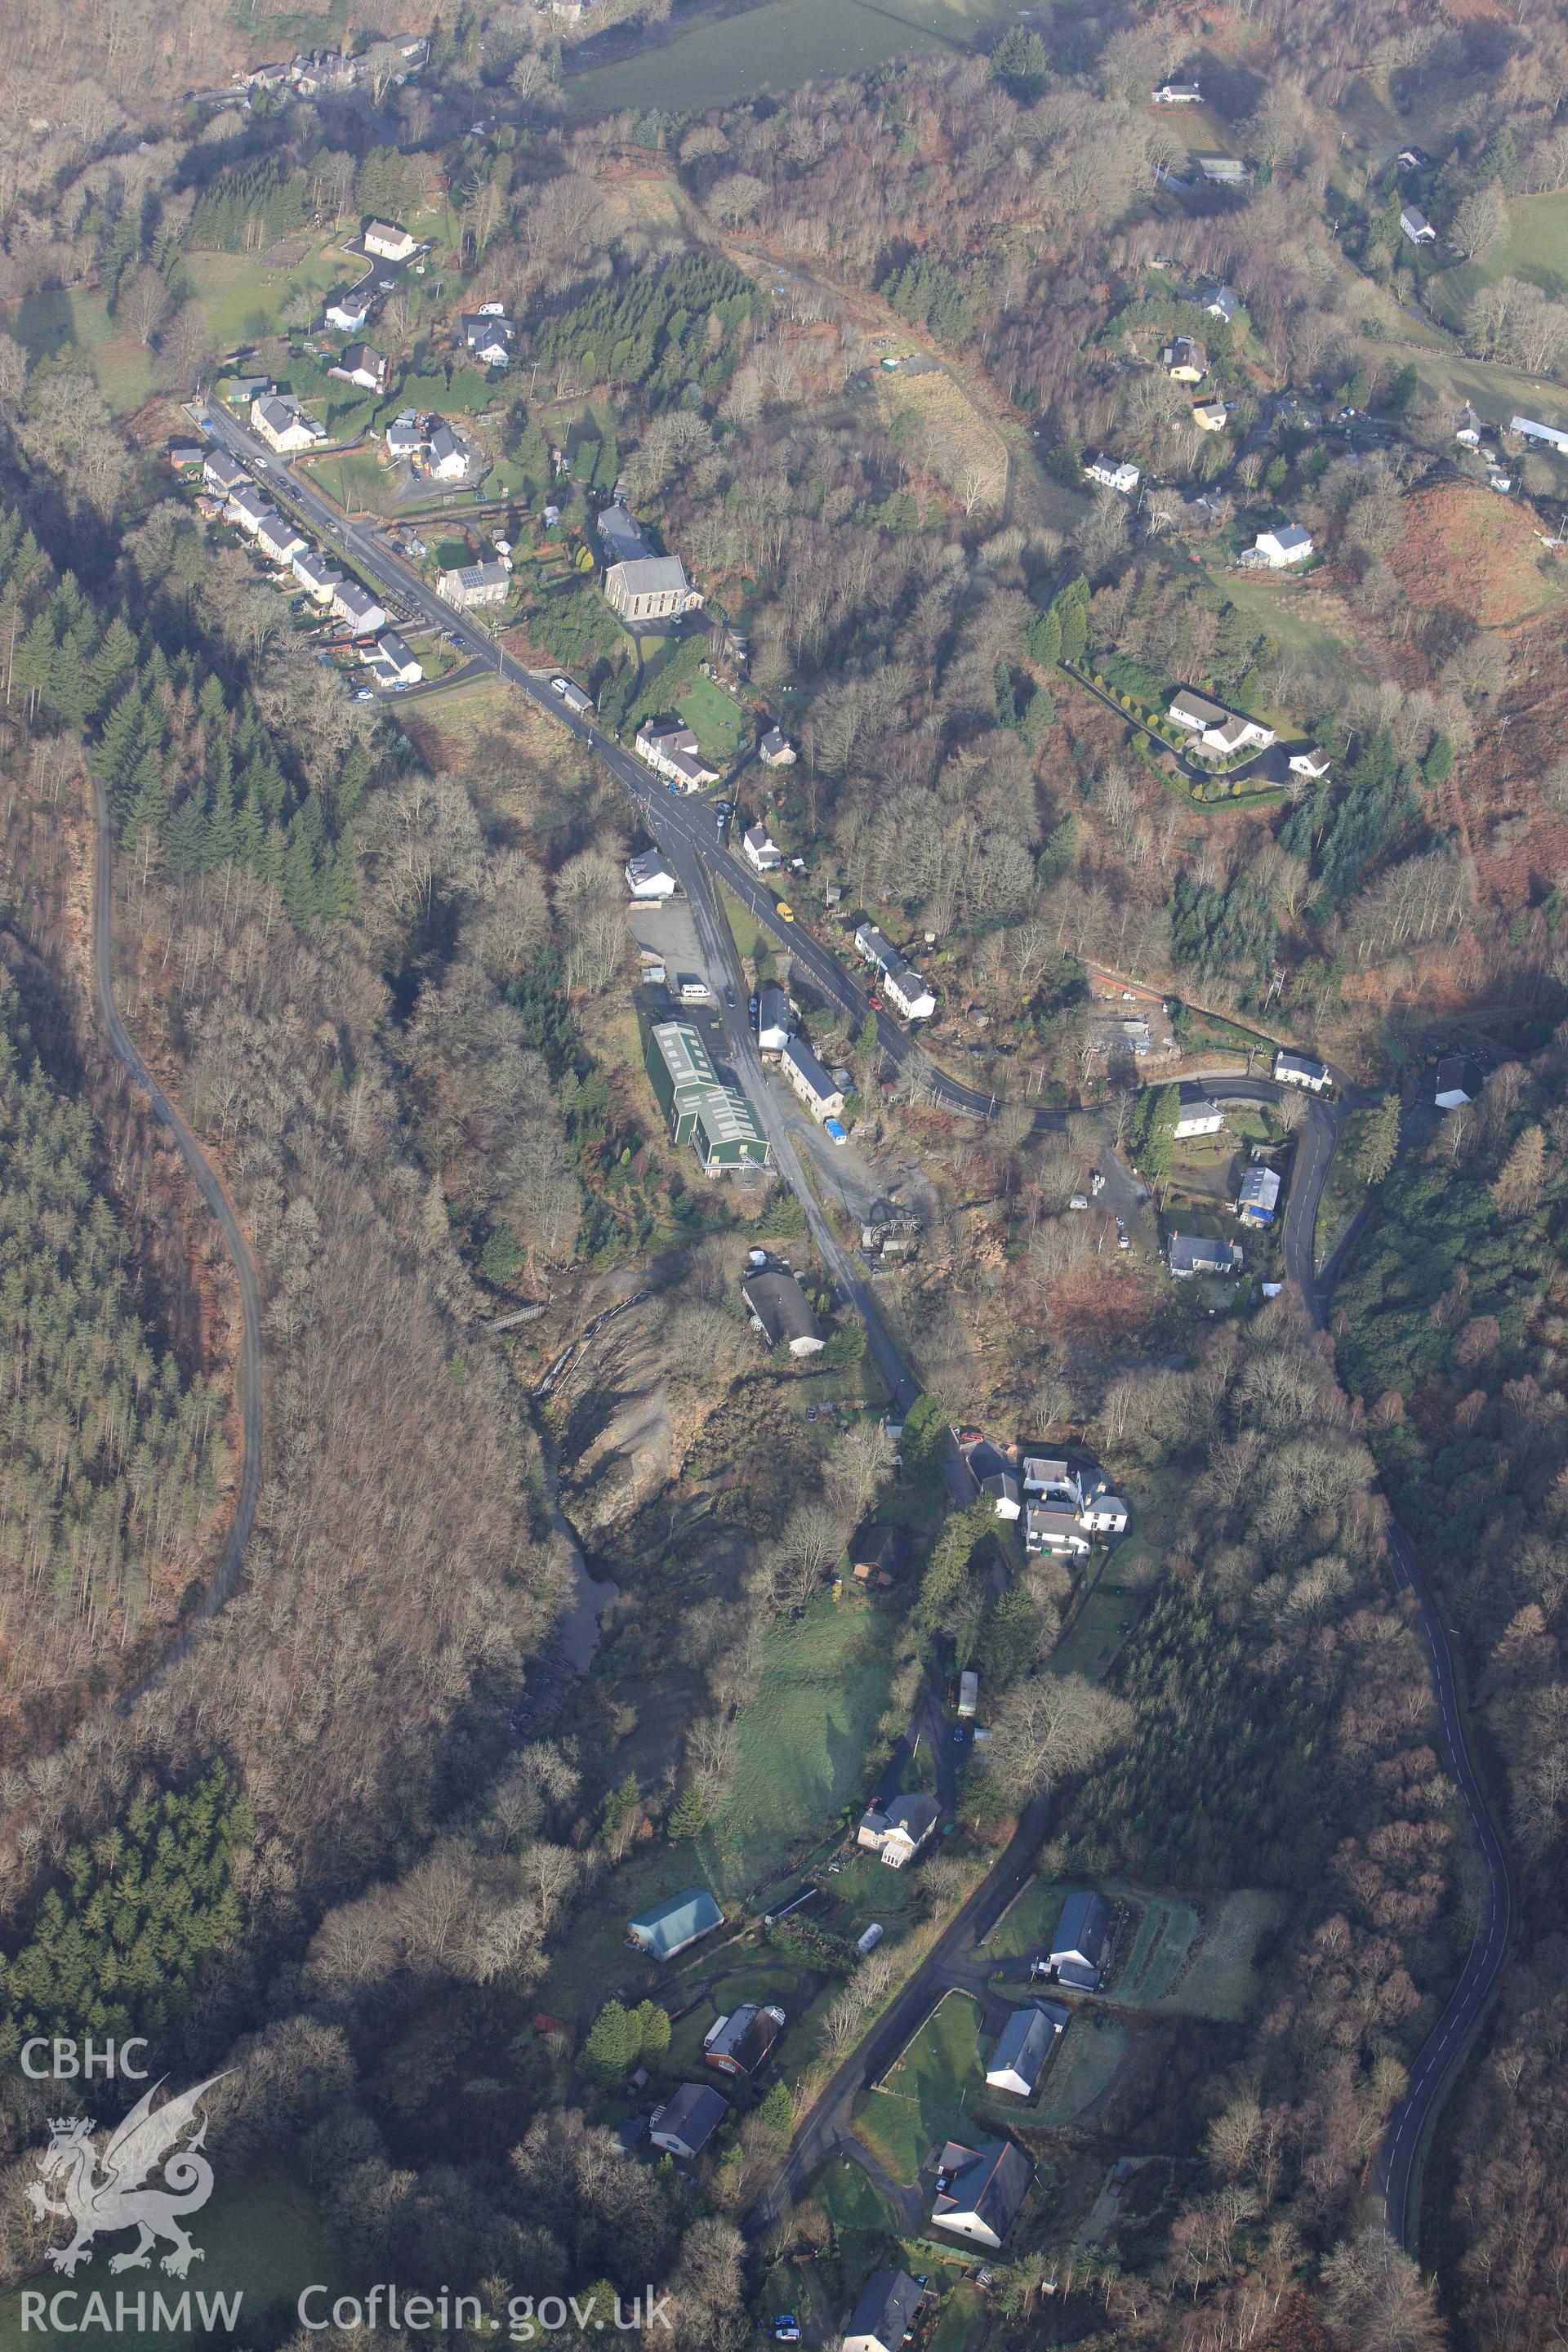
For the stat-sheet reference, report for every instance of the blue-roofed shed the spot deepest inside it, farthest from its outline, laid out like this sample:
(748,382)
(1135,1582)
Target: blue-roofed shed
(668,1928)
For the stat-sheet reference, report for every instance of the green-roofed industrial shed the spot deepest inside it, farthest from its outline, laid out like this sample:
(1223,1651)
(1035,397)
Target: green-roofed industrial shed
(668,1928)
(716,1120)
(681,1075)
(727,1131)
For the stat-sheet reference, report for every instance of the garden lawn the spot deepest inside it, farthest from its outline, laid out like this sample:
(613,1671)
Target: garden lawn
(357,483)
(1535,248)
(1223,1980)
(1023,1929)
(963,2315)
(1178,1963)
(866,1891)
(1166,1936)
(1089,2054)
(787,2289)
(768,1982)
(717,721)
(1098,1631)
(597,1961)
(849,2200)
(931,2094)
(802,1740)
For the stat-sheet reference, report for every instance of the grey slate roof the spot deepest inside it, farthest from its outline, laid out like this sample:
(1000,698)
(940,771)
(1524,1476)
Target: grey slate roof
(692,2116)
(885,2311)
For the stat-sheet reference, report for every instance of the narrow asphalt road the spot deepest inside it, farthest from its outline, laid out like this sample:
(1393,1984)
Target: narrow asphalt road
(687,835)
(1397,2157)
(250,1393)
(826,2127)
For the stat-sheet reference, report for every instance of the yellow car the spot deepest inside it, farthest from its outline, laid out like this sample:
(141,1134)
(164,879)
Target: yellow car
(784,911)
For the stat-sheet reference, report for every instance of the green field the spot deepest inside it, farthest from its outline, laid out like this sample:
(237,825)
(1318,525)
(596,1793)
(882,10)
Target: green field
(1290,612)
(722,58)
(262,2235)
(357,483)
(243,299)
(1535,248)
(1098,1632)
(801,1743)
(1223,1981)
(1091,2050)
(717,721)
(802,1739)
(929,2094)
(45,323)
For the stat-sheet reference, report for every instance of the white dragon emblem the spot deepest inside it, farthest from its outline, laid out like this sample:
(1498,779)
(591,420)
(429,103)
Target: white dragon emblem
(117,2198)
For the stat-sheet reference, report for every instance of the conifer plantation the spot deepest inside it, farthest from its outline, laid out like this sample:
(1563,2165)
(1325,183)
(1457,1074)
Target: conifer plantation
(113,1462)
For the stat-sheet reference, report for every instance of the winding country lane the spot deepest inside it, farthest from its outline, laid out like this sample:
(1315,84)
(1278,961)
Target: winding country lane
(1445,2046)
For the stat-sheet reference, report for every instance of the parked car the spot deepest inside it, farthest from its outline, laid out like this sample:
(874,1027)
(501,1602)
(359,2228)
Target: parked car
(836,1131)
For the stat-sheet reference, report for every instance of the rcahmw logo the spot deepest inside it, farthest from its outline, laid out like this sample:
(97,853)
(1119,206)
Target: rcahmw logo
(151,2174)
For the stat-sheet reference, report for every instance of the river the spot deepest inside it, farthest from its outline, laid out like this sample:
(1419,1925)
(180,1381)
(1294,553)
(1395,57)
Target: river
(726,50)
(576,1635)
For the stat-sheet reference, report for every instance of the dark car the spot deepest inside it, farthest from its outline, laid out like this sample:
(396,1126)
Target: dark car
(729,998)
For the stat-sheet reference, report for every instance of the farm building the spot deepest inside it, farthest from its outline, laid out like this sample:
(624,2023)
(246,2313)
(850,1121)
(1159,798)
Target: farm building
(671,1926)
(782,1312)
